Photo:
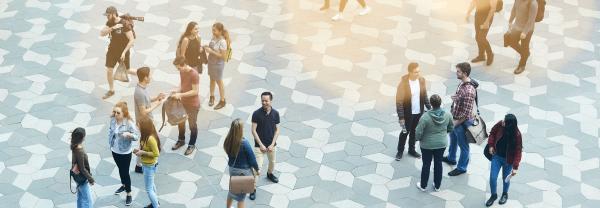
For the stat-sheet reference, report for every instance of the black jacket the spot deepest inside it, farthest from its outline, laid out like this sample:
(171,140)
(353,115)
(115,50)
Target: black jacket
(403,97)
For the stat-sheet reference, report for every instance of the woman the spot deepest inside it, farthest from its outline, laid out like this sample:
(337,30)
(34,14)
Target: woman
(241,158)
(505,146)
(149,152)
(81,166)
(189,47)
(121,133)
(217,52)
(432,132)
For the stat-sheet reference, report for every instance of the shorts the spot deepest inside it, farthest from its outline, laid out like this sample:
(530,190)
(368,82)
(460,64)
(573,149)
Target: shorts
(113,56)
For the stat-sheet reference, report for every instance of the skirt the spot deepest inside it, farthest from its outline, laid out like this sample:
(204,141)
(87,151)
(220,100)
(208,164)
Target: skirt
(215,71)
(236,172)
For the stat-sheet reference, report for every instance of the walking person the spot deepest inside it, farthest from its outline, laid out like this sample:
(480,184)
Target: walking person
(241,158)
(484,15)
(411,101)
(339,16)
(121,35)
(265,129)
(82,166)
(121,134)
(189,47)
(188,94)
(149,152)
(520,29)
(462,114)
(505,145)
(432,132)
(217,53)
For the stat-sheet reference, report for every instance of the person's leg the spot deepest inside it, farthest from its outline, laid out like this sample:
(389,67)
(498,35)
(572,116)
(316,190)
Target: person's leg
(325,5)
(109,78)
(259,158)
(221,90)
(241,204)
(506,170)
(212,87)
(229,202)
(453,146)
(425,168)
(181,137)
(342,5)
(125,173)
(494,169)
(411,137)
(149,172)
(119,162)
(362,3)
(524,49)
(463,160)
(84,196)
(192,120)
(402,141)
(272,156)
(486,44)
(478,40)
(437,167)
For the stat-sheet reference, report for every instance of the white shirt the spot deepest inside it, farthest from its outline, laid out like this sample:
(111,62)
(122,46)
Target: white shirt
(415,91)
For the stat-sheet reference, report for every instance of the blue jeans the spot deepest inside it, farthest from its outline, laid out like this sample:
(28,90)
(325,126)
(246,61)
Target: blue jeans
(84,196)
(458,138)
(497,163)
(149,171)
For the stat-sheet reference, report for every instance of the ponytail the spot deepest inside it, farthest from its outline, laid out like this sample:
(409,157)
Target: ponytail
(227,38)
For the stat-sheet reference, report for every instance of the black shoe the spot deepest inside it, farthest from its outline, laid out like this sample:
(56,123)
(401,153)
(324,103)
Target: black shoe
(138,169)
(149,206)
(478,59)
(490,60)
(456,172)
(189,150)
(491,201)
(272,177)
(519,69)
(414,154)
(503,198)
(399,156)
(120,190)
(253,195)
(178,145)
(128,201)
(447,161)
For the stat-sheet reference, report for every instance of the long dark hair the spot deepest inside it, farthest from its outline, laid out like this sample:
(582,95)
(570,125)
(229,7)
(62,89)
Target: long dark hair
(233,141)
(510,130)
(147,129)
(77,137)
(187,33)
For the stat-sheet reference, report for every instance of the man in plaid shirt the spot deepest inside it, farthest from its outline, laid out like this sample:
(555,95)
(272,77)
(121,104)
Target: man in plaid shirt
(462,113)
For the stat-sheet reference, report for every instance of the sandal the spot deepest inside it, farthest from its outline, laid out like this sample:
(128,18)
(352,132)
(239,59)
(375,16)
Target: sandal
(108,94)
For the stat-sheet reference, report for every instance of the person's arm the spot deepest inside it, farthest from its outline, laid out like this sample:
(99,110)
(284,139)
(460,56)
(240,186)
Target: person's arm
(427,103)
(518,151)
(470,9)
(399,103)
(183,46)
(192,92)
(80,160)
(135,133)
(488,19)
(220,52)
(255,135)
(276,135)
(155,102)
(420,128)
(131,39)
(513,13)
(105,31)
(492,138)
(532,13)
(154,152)
(250,154)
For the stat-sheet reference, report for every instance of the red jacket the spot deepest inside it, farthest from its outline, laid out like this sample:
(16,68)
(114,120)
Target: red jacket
(513,156)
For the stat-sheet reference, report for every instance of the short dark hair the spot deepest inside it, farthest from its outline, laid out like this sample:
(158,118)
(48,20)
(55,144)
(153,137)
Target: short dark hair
(435,100)
(412,66)
(464,67)
(267,93)
(179,61)
(142,73)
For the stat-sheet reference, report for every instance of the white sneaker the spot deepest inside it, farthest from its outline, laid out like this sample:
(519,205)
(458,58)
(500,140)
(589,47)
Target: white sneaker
(365,11)
(337,17)
(436,189)
(419,187)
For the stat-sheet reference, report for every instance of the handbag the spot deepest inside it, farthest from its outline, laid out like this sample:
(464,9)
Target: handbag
(486,152)
(75,175)
(241,184)
(477,132)
(121,73)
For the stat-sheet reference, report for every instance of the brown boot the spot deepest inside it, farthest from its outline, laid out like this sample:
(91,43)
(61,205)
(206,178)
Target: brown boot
(190,149)
(220,105)
(178,145)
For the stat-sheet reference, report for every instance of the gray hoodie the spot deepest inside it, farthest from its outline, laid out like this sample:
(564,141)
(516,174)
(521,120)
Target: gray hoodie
(433,129)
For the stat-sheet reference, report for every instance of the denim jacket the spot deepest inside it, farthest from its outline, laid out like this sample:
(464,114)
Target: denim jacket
(245,158)
(123,144)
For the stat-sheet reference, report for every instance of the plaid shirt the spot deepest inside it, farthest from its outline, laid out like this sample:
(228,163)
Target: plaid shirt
(462,108)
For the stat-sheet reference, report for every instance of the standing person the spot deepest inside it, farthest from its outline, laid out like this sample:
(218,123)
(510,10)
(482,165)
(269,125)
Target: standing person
(484,15)
(366,9)
(462,113)
(121,37)
(80,159)
(217,53)
(241,158)
(149,152)
(411,101)
(121,133)
(265,129)
(520,29)
(432,133)
(505,146)
(188,94)
(189,47)
(144,104)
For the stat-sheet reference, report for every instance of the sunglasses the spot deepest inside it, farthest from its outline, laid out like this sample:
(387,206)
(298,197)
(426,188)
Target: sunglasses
(117,112)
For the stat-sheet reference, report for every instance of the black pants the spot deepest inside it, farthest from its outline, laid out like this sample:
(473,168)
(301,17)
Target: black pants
(192,113)
(410,123)
(483,45)
(123,162)
(521,46)
(428,155)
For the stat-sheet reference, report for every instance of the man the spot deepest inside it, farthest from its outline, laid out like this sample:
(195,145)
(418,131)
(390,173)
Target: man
(520,29)
(462,114)
(411,101)
(484,15)
(144,104)
(121,37)
(188,94)
(265,129)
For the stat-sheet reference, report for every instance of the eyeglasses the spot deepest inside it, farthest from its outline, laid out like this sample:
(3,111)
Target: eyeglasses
(117,112)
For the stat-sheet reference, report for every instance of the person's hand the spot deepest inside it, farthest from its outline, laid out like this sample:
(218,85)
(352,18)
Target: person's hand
(139,153)
(161,96)
(117,26)
(491,150)
(485,25)
(127,134)
(271,147)
(523,36)
(176,96)
(92,183)
(402,122)
(514,172)
(263,148)
(135,150)
(122,56)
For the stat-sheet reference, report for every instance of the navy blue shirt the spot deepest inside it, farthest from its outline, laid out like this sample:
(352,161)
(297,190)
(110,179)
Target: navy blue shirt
(245,158)
(265,125)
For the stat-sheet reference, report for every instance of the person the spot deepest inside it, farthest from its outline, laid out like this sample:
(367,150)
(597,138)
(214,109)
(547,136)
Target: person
(241,158)
(189,47)
(217,53)
(520,26)
(80,159)
(505,146)
(265,129)
(431,132)
(149,152)
(339,16)
(462,115)
(411,101)
(121,134)
(144,104)
(484,16)
(121,37)
(188,94)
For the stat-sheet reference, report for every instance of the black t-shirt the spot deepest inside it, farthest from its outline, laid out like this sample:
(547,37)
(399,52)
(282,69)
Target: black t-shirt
(502,146)
(118,38)
(266,125)
(192,52)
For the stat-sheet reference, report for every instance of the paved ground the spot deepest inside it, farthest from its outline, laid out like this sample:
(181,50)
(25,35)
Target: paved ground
(334,85)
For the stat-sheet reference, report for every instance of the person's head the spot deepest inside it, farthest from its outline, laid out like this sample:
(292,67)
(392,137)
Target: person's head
(179,63)
(219,31)
(147,129)
(413,70)
(436,101)
(233,140)
(77,137)
(265,99)
(111,14)
(463,70)
(143,75)
(510,128)
(120,111)
(190,31)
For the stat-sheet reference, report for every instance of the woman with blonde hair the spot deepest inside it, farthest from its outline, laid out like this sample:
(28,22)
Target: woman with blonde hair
(217,54)
(241,158)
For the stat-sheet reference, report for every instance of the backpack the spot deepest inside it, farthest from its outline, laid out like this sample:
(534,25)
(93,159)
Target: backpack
(541,9)
(499,5)
(173,109)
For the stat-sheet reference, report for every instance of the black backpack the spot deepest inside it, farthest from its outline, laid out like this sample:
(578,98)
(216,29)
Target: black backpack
(541,9)
(175,112)
(499,5)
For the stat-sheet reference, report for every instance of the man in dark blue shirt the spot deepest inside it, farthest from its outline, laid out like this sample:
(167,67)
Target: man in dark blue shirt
(265,129)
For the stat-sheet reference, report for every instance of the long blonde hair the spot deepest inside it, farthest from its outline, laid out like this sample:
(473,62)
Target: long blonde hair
(233,141)
(219,26)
